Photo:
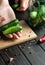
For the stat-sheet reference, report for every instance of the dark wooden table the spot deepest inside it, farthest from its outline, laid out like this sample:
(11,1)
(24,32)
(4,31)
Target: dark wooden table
(29,53)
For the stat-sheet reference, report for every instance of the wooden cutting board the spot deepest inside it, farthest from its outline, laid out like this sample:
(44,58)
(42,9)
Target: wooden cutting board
(27,34)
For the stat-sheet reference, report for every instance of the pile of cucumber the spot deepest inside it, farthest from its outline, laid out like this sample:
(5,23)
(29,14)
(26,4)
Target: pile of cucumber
(11,27)
(37,16)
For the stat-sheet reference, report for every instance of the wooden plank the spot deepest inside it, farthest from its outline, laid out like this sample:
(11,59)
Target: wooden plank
(34,53)
(1,61)
(43,46)
(27,34)
(40,32)
(4,55)
(19,58)
(39,51)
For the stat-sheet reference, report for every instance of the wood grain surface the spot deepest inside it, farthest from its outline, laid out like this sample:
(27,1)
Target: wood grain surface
(27,34)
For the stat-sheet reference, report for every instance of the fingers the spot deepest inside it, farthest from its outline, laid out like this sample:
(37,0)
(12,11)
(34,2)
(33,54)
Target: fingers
(21,9)
(9,36)
(16,1)
(14,35)
(19,34)
(23,5)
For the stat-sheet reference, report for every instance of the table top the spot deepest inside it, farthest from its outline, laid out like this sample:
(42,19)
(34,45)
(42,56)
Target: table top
(29,53)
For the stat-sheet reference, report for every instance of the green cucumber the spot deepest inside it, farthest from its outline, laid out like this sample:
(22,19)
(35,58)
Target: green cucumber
(12,23)
(12,29)
(33,14)
(16,5)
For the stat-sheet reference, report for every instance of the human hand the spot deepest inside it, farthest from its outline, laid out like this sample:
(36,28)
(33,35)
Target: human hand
(7,15)
(23,5)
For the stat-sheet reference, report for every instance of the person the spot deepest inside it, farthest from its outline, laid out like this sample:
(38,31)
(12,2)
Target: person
(7,14)
(23,5)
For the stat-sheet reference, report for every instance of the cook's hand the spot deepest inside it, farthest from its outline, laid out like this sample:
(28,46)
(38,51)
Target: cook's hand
(7,15)
(23,5)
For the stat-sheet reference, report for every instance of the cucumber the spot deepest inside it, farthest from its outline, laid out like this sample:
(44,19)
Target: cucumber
(12,29)
(16,5)
(33,14)
(12,23)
